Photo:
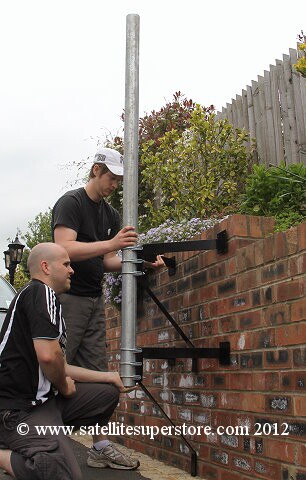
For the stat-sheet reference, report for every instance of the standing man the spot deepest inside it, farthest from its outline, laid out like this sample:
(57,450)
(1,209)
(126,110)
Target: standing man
(88,227)
(39,388)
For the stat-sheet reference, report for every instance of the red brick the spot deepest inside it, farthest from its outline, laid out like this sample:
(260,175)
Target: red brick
(292,240)
(301,455)
(228,475)
(175,303)
(302,263)
(238,226)
(239,303)
(255,227)
(226,287)
(250,402)
(274,272)
(279,404)
(278,359)
(242,463)
(236,244)
(277,315)
(265,381)
(248,280)
(228,324)
(264,339)
(291,334)
(269,249)
(210,258)
(249,320)
(241,381)
(223,418)
(223,225)
(298,310)
(208,471)
(217,272)
(268,224)
(241,341)
(289,290)
(293,381)
(280,243)
(208,328)
(246,258)
(189,298)
(279,450)
(300,474)
(292,267)
(260,227)
(266,469)
(208,292)
(258,252)
(164,277)
(299,406)
(301,231)
(231,267)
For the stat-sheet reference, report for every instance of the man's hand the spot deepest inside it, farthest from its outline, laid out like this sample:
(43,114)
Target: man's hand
(118,383)
(127,237)
(155,265)
(70,389)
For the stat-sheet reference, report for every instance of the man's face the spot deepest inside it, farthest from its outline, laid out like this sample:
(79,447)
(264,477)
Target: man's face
(107,183)
(60,273)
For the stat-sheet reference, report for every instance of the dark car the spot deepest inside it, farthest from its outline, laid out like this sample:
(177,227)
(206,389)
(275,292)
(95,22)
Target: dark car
(7,293)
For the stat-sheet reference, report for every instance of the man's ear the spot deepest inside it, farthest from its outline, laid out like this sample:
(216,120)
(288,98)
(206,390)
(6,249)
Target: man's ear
(45,267)
(96,169)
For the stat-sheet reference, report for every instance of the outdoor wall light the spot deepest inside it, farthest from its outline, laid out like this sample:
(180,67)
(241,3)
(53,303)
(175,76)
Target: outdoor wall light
(13,257)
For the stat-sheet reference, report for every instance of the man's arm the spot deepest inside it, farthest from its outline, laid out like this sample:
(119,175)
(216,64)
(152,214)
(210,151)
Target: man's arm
(81,374)
(112,263)
(52,363)
(79,251)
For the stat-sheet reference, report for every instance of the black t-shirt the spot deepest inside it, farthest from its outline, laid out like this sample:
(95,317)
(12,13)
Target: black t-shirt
(93,222)
(35,313)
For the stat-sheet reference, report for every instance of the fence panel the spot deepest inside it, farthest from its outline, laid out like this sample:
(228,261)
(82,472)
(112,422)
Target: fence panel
(273,110)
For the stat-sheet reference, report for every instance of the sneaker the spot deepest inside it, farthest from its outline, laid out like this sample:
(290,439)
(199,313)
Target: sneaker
(110,456)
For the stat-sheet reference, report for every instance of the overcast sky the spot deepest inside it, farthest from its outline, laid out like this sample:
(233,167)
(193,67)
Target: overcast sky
(62,77)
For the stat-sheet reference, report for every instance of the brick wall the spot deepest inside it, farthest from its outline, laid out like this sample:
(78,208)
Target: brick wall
(253,297)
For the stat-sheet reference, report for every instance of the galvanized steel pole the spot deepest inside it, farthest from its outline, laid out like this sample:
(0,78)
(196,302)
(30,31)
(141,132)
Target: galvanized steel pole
(130,199)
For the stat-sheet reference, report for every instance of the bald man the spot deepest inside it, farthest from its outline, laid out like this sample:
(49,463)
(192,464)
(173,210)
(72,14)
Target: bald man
(39,388)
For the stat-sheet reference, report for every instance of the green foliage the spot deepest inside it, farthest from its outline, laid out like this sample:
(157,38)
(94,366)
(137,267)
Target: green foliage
(196,173)
(300,66)
(20,278)
(170,231)
(39,230)
(175,115)
(279,192)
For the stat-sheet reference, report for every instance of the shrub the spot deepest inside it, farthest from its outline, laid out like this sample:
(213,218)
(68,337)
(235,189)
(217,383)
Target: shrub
(279,192)
(169,231)
(196,173)
(300,66)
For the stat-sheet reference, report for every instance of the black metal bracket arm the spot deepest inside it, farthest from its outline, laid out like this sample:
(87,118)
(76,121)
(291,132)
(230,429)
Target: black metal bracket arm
(222,354)
(150,250)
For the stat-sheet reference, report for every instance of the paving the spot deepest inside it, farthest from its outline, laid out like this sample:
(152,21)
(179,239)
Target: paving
(149,469)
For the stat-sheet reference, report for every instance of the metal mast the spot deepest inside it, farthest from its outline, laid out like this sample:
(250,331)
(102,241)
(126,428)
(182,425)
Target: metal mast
(130,199)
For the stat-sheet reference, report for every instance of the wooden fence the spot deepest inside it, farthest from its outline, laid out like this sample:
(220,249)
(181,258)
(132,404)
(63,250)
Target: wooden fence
(273,110)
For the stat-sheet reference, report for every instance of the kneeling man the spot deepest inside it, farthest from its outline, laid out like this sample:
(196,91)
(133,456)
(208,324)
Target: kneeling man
(39,388)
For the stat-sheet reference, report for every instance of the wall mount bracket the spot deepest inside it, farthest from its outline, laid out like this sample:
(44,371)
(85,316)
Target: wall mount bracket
(222,353)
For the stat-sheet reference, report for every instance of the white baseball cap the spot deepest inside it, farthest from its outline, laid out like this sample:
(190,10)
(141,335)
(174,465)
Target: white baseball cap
(111,158)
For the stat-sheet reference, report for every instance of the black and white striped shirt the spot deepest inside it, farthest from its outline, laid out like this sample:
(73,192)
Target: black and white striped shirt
(35,313)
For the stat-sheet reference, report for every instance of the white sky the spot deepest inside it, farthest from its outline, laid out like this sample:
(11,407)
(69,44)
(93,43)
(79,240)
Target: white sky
(62,77)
